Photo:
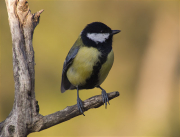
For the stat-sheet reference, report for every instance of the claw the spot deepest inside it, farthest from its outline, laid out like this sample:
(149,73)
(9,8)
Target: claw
(80,105)
(79,102)
(104,97)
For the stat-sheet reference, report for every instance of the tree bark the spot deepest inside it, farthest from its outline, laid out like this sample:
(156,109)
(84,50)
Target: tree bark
(24,117)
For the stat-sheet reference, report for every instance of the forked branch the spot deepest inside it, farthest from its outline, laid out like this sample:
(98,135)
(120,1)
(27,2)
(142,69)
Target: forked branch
(24,117)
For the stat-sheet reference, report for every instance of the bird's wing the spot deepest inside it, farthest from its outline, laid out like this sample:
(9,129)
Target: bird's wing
(65,84)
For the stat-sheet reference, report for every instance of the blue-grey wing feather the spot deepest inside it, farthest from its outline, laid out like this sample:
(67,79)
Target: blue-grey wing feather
(65,84)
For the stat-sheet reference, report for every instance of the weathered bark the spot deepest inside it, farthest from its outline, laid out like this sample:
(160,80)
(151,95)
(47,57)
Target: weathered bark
(24,117)
(70,112)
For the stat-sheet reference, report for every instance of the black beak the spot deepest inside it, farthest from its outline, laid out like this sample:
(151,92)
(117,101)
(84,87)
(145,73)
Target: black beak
(115,32)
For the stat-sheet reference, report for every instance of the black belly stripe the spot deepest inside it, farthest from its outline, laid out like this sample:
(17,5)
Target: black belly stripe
(105,48)
(94,79)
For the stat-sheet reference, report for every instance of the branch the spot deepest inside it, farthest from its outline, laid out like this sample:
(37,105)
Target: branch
(22,24)
(70,112)
(1,125)
(24,117)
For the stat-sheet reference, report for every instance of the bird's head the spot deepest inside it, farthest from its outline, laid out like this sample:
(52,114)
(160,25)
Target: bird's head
(97,33)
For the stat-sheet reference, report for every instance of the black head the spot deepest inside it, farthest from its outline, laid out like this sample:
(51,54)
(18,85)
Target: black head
(97,27)
(97,33)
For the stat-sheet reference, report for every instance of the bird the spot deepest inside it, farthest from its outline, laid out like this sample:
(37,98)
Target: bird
(89,61)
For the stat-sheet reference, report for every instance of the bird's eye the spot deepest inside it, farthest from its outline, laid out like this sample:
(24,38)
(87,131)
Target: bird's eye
(102,31)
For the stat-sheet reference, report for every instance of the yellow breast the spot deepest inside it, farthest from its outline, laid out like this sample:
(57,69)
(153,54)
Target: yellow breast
(106,67)
(82,66)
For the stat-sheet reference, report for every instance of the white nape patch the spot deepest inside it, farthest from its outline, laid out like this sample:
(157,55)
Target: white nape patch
(98,37)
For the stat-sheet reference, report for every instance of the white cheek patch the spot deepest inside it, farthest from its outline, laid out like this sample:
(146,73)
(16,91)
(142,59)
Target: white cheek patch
(98,37)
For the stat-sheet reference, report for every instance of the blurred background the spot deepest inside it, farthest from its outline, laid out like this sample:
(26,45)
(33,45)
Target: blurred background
(145,70)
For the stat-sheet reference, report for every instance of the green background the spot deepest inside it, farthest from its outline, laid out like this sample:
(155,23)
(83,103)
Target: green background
(145,70)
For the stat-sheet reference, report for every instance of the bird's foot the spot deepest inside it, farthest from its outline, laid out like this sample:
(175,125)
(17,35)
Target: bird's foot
(105,98)
(80,105)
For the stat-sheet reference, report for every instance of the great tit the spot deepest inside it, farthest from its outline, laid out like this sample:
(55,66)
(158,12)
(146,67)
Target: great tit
(89,61)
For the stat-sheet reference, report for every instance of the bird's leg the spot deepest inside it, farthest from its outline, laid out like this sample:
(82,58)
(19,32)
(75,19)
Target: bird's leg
(79,102)
(104,96)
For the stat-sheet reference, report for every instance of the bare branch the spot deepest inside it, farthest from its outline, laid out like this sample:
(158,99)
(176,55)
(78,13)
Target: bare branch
(1,125)
(22,25)
(70,112)
(24,117)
